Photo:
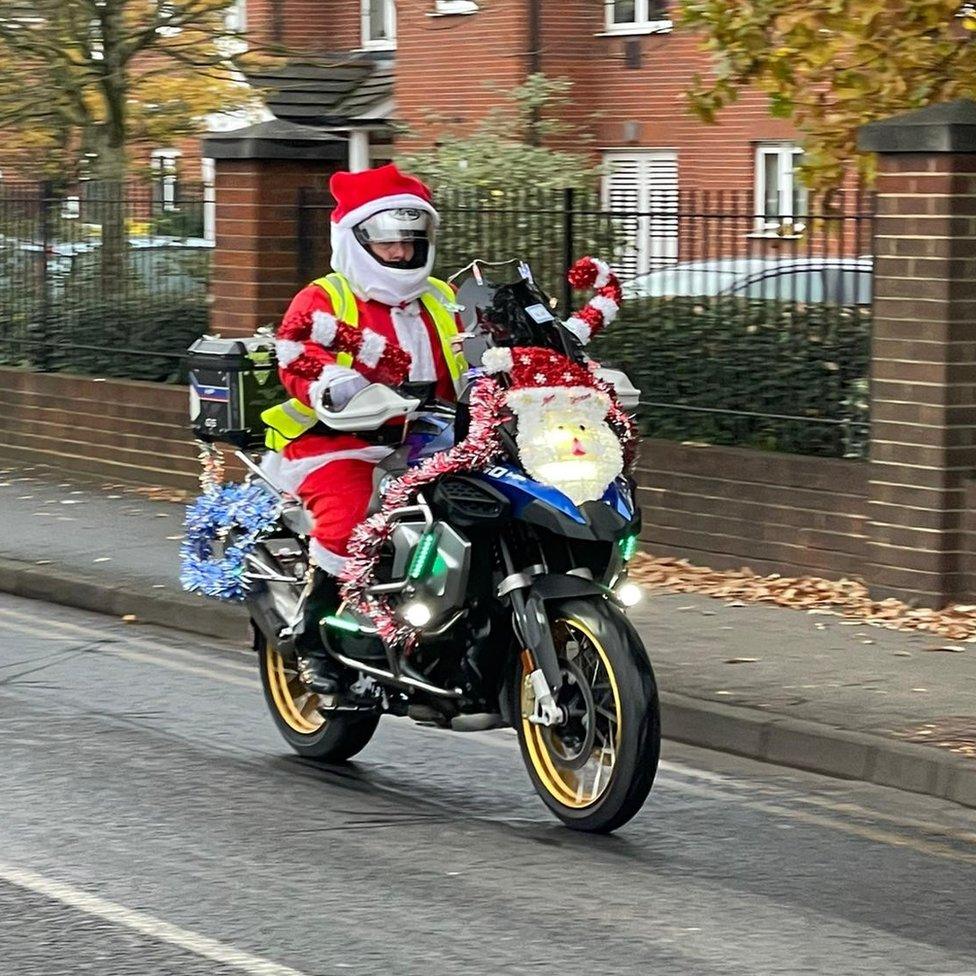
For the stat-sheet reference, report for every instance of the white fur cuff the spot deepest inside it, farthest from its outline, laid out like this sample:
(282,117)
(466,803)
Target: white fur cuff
(372,348)
(287,351)
(324,328)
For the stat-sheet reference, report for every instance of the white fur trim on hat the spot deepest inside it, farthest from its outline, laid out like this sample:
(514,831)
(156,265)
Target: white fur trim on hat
(579,328)
(607,306)
(395,202)
(287,351)
(324,327)
(372,348)
(581,400)
(497,360)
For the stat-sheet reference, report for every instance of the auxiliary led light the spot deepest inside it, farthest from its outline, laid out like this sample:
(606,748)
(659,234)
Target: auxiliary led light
(629,594)
(628,546)
(424,556)
(417,614)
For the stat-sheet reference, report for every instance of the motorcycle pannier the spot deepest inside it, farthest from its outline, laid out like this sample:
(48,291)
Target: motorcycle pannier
(231,382)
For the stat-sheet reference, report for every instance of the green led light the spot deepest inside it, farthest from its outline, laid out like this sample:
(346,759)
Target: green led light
(424,556)
(341,623)
(628,546)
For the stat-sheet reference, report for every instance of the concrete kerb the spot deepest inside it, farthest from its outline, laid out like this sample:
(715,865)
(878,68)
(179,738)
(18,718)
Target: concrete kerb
(818,748)
(780,740)
(184,612)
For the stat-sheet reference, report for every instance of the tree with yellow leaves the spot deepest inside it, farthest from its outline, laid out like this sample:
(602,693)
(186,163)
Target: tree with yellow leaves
(88,79)
(834,65)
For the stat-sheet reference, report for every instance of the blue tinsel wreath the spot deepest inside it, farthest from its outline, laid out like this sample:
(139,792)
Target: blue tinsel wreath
(249,508)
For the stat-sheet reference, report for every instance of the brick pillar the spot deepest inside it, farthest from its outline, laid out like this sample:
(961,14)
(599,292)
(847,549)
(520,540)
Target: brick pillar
(259,172)
(923,382)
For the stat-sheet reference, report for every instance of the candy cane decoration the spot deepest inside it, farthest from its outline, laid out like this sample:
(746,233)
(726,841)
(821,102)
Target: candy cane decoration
(603,307)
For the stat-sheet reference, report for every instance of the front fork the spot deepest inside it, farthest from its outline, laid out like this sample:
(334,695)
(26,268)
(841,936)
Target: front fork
(531,624)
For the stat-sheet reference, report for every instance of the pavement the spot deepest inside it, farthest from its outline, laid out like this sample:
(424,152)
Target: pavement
(811,691)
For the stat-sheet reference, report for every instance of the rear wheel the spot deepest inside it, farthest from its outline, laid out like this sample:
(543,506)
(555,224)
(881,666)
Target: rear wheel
(295,710)
(595,769)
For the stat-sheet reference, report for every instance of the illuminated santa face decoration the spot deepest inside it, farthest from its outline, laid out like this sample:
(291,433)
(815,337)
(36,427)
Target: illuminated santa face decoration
(564,439)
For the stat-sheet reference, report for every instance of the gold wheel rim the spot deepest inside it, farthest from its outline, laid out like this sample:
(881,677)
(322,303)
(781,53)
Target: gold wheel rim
(574,788)
(293,701)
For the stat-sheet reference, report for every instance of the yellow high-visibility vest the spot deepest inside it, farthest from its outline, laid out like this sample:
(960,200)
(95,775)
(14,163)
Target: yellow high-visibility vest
(289,420)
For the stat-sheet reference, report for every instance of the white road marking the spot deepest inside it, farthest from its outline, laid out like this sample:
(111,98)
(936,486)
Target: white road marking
(154,928)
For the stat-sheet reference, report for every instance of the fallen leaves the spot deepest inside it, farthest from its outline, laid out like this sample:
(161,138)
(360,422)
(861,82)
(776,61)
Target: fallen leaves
(955,733)
(845,598)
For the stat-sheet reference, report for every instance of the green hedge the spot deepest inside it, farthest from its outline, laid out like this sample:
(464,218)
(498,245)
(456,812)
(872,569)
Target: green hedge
(137,336)
(752,373)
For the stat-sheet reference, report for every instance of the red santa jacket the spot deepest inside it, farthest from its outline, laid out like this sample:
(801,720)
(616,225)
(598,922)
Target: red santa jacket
(308,367)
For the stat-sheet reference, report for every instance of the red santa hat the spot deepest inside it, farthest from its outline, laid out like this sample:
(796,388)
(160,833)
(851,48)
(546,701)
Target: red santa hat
(542,378)
(361,195)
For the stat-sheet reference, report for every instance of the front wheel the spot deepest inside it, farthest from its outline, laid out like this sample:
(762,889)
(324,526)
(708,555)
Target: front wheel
(294,709)
(595,769)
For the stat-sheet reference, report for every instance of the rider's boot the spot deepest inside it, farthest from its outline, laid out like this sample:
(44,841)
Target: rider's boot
(317,669)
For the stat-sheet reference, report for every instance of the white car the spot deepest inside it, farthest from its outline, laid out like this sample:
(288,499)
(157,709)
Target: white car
(813,280)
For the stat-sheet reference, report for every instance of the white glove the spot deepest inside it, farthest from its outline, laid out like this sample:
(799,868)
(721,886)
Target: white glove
(343,389)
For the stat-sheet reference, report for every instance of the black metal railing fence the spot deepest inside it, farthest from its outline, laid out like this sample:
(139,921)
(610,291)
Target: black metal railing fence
(738,328)
(105,279)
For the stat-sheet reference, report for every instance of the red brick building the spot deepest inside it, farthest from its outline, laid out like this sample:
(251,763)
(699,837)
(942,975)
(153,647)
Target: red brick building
(368,64)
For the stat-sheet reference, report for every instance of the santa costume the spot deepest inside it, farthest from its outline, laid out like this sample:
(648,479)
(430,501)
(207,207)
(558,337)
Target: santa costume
(327,354)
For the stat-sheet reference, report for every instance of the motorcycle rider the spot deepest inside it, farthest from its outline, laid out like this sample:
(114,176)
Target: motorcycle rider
(383,248)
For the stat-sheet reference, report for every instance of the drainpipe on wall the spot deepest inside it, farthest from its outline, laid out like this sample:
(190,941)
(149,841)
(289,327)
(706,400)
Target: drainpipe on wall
(277,21)
(535,58)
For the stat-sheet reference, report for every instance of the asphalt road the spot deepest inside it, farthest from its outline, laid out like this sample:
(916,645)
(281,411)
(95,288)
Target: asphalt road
(152,822)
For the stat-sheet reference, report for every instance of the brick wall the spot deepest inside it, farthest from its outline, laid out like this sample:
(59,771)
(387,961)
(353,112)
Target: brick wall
(116,429)
(457,66)
(256,263)
(316,26)
(728,507)
(924,373)
(719,506)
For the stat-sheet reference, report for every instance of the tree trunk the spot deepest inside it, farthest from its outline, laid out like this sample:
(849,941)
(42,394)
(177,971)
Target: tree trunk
(110,175)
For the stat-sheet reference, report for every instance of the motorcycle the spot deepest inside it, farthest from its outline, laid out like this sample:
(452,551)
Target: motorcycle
(513,596)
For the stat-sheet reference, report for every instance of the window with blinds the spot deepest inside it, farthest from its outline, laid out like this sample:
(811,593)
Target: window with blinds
(641,191)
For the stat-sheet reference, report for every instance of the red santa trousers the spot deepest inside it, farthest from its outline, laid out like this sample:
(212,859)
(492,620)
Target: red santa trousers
(333,477)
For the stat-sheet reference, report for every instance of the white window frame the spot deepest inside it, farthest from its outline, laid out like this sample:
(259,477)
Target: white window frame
(653,228)
(786,154)
(235,16)
(165,170)
(208,172)
(642,22)
(387,43)
(445,8)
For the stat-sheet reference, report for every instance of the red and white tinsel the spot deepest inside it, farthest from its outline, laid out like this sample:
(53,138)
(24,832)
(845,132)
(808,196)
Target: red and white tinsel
(603,307)
(301,339)
(476,452)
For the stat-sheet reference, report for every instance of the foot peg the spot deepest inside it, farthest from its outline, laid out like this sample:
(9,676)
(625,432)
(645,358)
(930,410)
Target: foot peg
(316,676)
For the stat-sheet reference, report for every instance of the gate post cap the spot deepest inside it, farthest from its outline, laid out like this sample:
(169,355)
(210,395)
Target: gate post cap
(949,127)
